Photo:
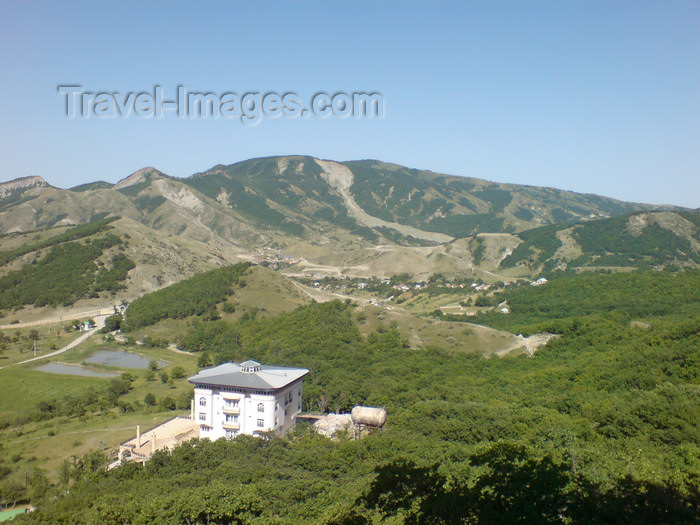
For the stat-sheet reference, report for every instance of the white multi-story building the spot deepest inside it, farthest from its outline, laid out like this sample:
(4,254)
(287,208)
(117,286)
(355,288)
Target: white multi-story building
(246,398)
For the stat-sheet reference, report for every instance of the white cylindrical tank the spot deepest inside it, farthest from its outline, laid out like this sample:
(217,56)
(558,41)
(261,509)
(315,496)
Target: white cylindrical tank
(372,416)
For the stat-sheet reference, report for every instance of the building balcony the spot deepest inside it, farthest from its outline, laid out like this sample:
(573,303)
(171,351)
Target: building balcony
(231,425)
(231,409)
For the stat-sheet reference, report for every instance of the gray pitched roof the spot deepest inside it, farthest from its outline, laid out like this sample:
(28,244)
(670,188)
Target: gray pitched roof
(231,374)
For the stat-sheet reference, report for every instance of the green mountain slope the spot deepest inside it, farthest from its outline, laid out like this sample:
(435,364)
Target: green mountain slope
(275,198)
(358,218)
(295,194)
(79,263)
(462,206)
(639,240)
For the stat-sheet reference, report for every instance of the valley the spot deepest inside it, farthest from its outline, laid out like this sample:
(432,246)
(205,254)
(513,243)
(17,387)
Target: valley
(501,327)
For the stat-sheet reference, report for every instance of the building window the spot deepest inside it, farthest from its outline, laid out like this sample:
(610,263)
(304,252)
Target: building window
(231,434)
(299,393)
(261,423)
(299,406)
(202,401)
(202,416)
(231,403)
(231,418)
(261,407)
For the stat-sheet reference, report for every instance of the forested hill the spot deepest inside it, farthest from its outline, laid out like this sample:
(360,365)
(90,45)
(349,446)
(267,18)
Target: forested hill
(601,426)
(81,262)
(669,240)
(198,295)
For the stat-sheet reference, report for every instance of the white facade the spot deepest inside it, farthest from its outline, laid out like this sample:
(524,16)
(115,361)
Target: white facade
(233,399)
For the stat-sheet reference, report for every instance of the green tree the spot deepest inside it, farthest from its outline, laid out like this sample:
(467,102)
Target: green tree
(518,488)
(112,323)
(167,403)
(229,307)
(177,372)
(204,360)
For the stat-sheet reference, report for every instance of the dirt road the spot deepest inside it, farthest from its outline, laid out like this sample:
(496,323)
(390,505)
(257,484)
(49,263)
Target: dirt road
(106,311)
(100,322)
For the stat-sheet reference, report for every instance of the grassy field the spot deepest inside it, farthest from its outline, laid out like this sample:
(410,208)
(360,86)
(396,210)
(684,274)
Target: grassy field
(17,344)
(269,291)
(422,303)
(57,315)
(6,515)
(46,444)
(22,388)
(423,332)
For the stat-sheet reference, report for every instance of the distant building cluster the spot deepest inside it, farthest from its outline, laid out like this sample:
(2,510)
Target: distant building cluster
(276,259)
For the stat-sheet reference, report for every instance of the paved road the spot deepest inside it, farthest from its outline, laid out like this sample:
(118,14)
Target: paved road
(100,322)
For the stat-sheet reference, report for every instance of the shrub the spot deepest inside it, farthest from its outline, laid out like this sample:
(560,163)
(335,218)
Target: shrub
(229,307)
(168,403)
(112,323)
(177,373)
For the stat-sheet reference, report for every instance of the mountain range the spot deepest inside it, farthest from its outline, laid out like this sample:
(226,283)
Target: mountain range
(362,217)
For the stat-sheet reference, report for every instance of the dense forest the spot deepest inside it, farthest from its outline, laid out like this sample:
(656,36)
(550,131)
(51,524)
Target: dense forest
(601,426)
(632,295)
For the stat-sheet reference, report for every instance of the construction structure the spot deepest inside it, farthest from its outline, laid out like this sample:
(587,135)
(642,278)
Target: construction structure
(362,420)
(163,437)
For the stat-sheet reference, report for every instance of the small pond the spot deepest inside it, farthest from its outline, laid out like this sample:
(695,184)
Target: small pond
(72,370)
(121,359)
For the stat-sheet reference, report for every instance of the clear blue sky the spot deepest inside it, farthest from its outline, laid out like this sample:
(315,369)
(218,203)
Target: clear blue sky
(598,97)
